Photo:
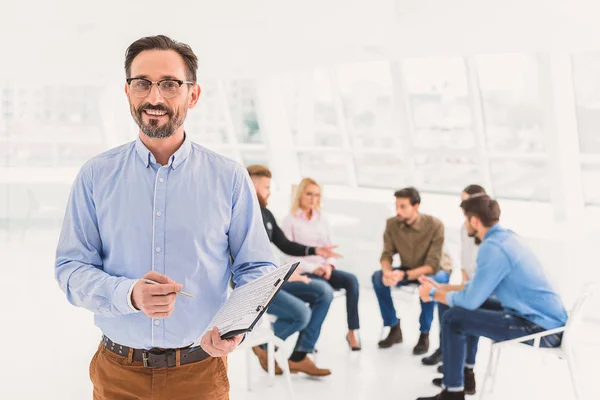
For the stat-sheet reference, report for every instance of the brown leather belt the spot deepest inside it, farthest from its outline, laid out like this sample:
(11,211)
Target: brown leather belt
(157,358)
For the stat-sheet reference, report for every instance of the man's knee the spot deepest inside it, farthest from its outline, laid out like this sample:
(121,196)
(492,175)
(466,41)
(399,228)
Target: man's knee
(324,290)
(454,318)
(303,317)
(377,279)
(352,283)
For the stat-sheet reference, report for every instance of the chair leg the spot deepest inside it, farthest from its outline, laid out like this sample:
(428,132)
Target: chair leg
(249,356)
(490,373)
(572,363)
(495,369)
(281,358)
(271,361)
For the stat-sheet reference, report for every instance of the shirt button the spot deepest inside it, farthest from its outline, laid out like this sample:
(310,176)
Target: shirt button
(158,213)
(161,180)
(156,322)
(158,249)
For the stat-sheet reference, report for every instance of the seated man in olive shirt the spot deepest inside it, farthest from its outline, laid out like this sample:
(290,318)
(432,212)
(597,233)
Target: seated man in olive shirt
(419,240)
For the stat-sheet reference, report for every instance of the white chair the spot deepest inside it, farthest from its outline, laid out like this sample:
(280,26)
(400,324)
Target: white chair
(564,352)
(263,334)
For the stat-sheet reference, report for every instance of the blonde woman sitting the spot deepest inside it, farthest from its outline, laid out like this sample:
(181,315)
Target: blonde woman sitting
(306,224)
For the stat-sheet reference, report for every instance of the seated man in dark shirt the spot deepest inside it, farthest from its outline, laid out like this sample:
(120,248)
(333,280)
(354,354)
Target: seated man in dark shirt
(289,305)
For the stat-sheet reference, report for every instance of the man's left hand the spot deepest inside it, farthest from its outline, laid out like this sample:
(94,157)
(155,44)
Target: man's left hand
(217,347)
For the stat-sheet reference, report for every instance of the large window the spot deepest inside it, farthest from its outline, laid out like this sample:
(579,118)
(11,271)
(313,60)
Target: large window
(591,183)
(207,122)
(311,109)
(326,167)
(511,104)
(450,174)
(366,94)
(521,179)
(438,96)
(241,98)
(381,170)
(586,81)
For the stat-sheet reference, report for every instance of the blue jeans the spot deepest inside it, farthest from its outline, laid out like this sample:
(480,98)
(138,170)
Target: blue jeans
(345,280)
(386,303)
(472,341)
(293,315)
(458,324)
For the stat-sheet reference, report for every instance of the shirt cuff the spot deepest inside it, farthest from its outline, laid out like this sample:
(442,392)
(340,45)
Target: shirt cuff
(129,299)
(122,296)
(450,299)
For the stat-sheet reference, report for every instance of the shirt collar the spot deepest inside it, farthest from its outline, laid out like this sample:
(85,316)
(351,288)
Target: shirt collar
(302,215)
(416,226)
(175,160)
(493,229)
(182,152)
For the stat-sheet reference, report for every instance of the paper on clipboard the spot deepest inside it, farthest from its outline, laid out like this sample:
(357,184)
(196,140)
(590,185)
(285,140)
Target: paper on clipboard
(246,304)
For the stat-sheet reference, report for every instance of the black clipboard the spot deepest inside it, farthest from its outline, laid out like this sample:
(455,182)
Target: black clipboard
(261,308)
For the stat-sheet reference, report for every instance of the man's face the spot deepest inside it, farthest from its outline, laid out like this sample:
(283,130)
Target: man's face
(157,116)
(471,231)
(406,212)
(262,184)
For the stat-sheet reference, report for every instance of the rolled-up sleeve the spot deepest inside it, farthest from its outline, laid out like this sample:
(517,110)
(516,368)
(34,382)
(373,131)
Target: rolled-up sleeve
(434,252)
(248,241)
(78,267)
(389,248)
(492,267)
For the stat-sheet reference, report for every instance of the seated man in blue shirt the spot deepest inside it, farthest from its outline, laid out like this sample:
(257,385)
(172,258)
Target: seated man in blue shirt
(507,269)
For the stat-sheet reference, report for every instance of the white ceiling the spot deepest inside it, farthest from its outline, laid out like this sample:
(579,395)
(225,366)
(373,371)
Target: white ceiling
(73,39)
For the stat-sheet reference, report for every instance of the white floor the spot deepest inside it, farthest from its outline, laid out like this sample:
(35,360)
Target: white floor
(47,345)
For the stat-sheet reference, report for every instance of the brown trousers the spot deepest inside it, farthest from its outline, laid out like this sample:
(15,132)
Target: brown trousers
(117,377)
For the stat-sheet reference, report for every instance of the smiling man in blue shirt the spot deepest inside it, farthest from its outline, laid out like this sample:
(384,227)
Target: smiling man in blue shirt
(169,210)
(506,269)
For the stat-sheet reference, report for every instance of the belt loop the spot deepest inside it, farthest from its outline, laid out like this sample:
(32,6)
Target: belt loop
(177,358)
(130,356)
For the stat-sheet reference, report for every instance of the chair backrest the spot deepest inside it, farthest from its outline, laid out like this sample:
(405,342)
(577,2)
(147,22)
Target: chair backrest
(576,314)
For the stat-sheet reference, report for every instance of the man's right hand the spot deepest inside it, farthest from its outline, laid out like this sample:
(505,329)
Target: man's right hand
(156,301)
(327,252)
(391,278)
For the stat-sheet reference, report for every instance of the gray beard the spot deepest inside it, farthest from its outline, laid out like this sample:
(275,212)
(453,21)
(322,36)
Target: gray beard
(152,129)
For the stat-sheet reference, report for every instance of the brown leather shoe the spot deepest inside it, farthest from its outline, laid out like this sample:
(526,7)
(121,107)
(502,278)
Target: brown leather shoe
(394,337)
(263,359)
(308,367)
(423,346)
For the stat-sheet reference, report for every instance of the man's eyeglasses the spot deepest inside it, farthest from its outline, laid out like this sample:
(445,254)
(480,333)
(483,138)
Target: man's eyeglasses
(168,88)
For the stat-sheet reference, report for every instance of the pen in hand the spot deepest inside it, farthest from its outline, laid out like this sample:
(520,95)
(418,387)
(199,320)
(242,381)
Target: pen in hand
(181,292)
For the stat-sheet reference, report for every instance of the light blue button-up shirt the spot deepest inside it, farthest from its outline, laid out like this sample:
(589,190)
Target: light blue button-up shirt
(128,215)
(509,270)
